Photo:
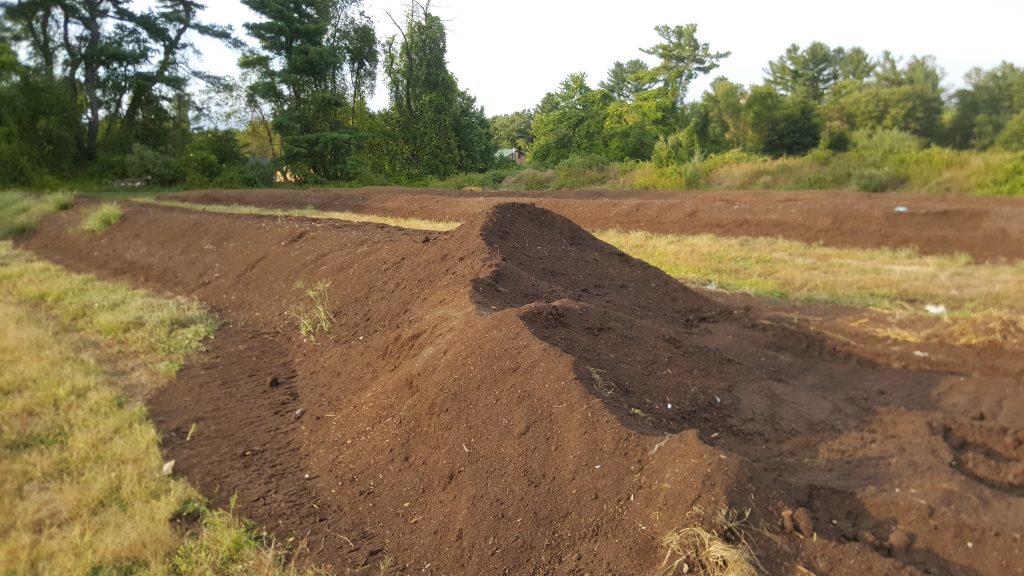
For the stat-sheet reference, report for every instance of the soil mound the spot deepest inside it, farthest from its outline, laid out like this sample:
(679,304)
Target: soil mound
(517,397)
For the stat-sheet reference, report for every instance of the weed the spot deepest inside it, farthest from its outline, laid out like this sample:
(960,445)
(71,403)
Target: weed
(602,383)
(314,316)
(103,217)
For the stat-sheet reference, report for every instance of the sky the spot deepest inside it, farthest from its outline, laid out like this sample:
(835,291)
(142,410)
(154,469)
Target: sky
(509,54)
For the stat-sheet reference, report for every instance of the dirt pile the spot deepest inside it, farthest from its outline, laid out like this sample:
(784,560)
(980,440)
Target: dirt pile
(516,397)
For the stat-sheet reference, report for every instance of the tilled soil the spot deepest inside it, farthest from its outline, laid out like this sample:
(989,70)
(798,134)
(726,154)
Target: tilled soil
(517,397)
(988,229)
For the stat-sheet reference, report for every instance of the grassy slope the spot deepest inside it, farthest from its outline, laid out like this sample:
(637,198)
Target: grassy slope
(79,460)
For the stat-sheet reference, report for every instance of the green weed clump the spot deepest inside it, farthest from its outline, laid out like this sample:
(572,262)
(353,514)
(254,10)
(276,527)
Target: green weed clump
(103,217)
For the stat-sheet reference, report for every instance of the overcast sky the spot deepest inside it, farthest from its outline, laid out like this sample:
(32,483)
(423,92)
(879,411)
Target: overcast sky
(509,54)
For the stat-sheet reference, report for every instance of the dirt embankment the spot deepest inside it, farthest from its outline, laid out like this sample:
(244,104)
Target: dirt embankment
(516,397)
(988,229)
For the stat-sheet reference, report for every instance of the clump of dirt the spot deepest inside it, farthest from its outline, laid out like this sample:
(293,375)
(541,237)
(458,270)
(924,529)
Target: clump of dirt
(517,397)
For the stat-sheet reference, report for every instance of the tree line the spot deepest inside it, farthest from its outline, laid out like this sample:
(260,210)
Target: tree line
(100,90)
(811,97)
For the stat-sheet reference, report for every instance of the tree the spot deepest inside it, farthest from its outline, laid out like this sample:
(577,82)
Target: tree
(986,106)
(779,124)
(627,80)
(809,72)
(908,98)
(300,69)
(440,129)
(682,59)
(513,130)
(126,64)
(720,123)
(569,122)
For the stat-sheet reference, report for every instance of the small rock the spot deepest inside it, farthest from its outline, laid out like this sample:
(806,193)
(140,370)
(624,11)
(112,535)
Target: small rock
(274,382)
(899,542)
(787,521)
(298,413)
(168,468)
(978,415)
(868,538)
(804,523)
(956,442)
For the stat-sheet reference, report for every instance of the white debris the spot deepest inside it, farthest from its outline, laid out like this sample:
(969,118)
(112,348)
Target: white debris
(920,354)
(168,468)
(936,308)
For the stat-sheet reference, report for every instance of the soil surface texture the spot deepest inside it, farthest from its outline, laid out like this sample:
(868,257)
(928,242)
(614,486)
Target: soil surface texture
(517,397)
(988,229)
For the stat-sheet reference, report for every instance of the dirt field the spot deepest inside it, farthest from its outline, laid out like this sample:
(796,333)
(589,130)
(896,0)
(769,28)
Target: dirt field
(516,397)
(988,229)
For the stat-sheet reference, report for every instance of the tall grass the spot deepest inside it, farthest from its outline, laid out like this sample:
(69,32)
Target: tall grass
(21,211)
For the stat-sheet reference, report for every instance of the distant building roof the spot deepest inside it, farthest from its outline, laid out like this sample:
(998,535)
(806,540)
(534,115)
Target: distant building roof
(505,152)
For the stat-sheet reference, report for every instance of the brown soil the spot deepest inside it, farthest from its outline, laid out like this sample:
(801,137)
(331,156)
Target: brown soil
(986,228)
(516,397)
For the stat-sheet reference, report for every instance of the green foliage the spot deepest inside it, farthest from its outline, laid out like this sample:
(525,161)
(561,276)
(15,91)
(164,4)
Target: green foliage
(145,163)
(569,122)
(300,70)
(436,128)
(1012,136)
(102,217)
(682,58)
(780,125)
(513,130)
(987,106)
(677,149)
(626,80)
(876,179)
(1007,179)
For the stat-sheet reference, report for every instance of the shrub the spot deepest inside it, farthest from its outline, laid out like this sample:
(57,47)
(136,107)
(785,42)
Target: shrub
(159,168)
(677,149)
(876,179)
(883,146)
(254,174)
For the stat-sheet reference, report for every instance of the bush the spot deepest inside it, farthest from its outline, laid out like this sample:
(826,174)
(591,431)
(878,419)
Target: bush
(254,174)
(677,149)
(882,147)
(1006,180)
(876,179)
(157,167)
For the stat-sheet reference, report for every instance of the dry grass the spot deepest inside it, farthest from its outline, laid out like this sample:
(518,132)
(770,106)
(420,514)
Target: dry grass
(79,460)
(314,315)
(696,551)
(983,300)
(885,278)
(411,223)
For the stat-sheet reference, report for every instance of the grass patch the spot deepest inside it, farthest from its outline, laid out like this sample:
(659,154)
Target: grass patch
(79,460)
(103,217)
(898,279)
(411,223)
(21,211)
(161,330)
